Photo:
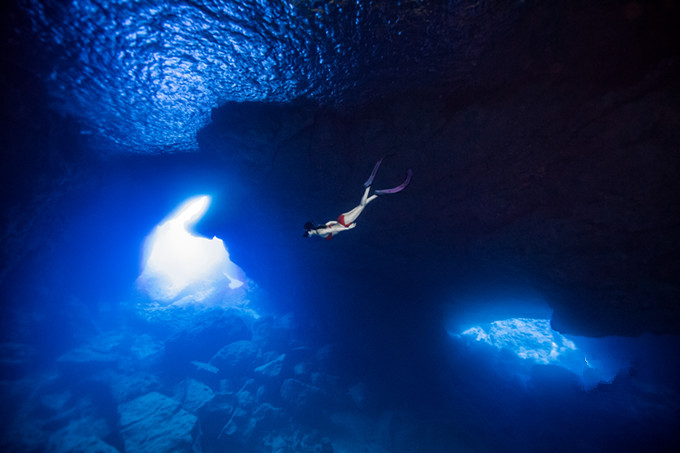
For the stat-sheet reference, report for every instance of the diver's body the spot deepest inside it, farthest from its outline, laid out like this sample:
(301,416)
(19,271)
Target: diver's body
(347,220)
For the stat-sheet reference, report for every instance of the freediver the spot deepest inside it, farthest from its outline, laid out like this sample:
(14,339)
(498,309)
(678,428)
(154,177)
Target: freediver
(347,220)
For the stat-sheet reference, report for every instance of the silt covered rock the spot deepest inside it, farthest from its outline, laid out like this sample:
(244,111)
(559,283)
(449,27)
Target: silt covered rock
(154,423)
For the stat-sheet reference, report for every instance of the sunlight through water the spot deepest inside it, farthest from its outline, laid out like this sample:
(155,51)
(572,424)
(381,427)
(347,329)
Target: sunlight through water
(535,343)
(180,267)
(531,339)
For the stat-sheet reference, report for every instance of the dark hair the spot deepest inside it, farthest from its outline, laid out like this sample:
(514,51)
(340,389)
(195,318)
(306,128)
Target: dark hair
(309,226)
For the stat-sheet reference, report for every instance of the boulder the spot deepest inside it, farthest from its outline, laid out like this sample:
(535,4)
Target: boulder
(302,370)
(155,423)
(238,429)
(125,387)
(270,334)
(145,349)
(238,357)
(193,394)
(301,441)
(204,372)
(301,398)
(110,351)
(205,367)
(299,363)
(268,393)
(313,442)
(245,399)
(202,336)
(104,351)
(215,414)
(268,417)
(244,425)
(271,369)
(82,436)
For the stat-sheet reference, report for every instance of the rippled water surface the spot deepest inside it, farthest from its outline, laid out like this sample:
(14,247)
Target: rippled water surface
(147,73)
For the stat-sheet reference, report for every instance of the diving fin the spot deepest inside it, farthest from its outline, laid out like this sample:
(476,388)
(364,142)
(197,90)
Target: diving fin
(373,173)
(399,188)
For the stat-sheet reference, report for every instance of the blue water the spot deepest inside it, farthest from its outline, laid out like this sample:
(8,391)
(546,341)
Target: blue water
(146,75)
(243,343)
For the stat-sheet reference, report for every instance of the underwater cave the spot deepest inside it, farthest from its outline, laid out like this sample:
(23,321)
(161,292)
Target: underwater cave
(340,226)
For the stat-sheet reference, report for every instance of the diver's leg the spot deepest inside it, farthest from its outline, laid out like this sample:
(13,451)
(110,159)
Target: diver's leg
(349,217)
(365,199)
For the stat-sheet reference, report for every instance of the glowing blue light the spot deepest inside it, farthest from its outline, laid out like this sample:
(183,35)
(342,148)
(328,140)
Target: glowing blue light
(181,267)
(534,342)
(528,338)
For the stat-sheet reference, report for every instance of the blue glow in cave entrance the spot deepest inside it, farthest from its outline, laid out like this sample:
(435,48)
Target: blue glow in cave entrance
(534,343)
(530,339)
(181,268)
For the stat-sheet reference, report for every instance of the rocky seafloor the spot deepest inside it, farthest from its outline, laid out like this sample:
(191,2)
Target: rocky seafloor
(200,380)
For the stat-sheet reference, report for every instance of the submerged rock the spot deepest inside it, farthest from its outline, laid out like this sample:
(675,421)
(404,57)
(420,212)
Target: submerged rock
(270,334)
(238,429)
(145,349)
(193,394)
(268,417)
(125,387)
(215,414)
(245,426)
(271,369)
(237,357)
(302,398)
(103,351)
(299,441)
(155,423)
(202,366)
(245,399)
(203,334)
(79,437)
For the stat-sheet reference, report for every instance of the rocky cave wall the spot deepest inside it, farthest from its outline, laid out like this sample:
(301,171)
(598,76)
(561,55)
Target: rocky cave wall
(559,174)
